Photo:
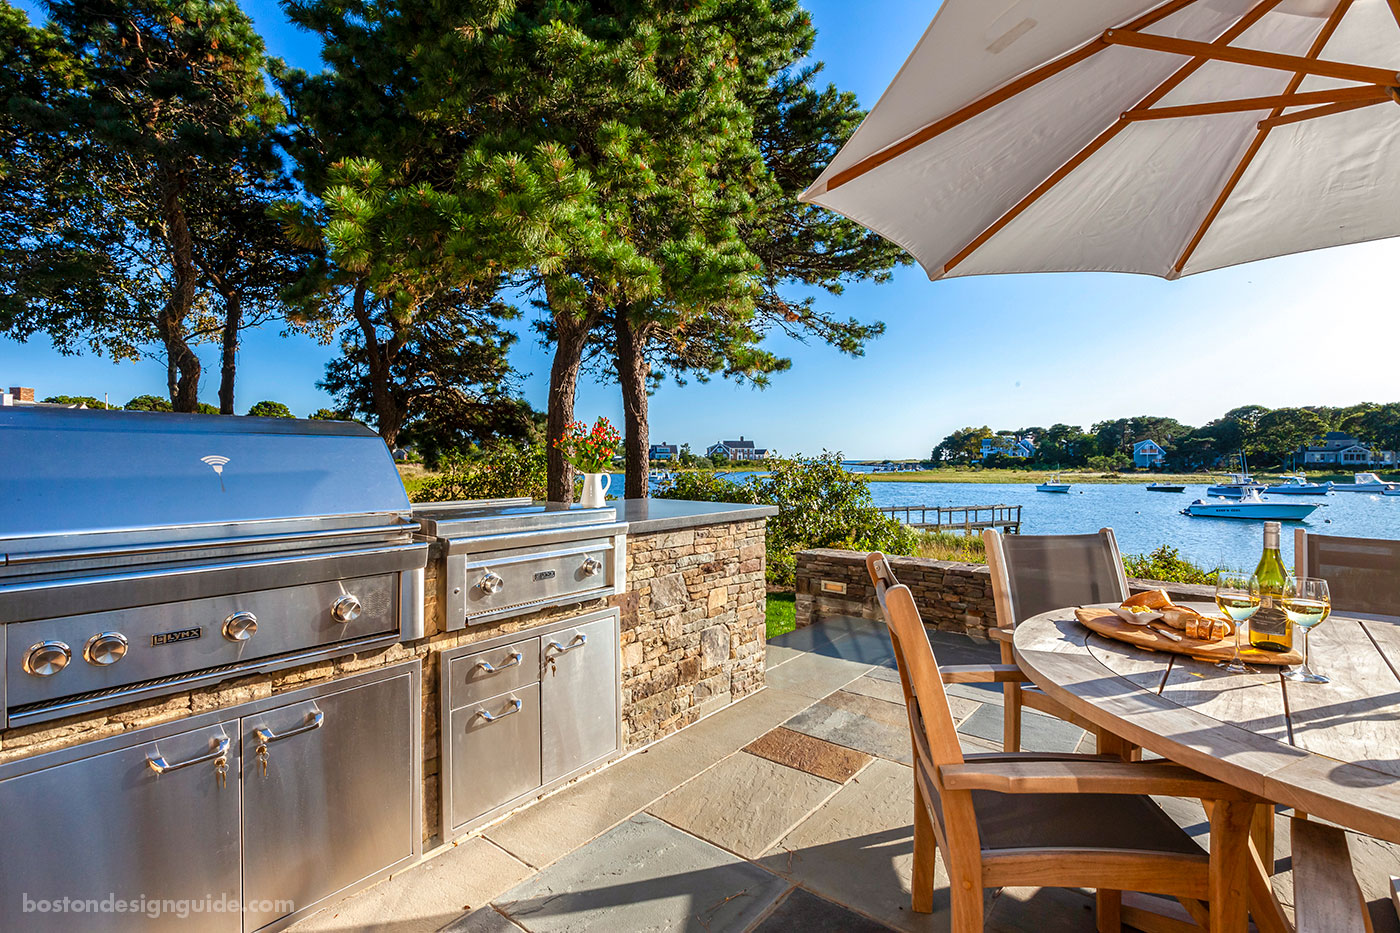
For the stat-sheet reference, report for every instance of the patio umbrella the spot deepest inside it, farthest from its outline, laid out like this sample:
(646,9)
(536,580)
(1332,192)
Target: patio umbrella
(1165,138)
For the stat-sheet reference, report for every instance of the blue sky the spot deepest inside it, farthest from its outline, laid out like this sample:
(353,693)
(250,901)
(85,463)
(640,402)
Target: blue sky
(1008,351)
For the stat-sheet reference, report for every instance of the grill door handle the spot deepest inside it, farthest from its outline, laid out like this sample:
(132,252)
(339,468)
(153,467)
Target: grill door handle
(515,658)
(579,641)
(267,736)
(159,765)
(515,708)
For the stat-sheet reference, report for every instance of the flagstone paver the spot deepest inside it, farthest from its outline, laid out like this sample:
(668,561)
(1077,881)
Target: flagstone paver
(643,875)
(482,920)
(804,912)
(814,675)
(744,803)
(864,723)
(808,753)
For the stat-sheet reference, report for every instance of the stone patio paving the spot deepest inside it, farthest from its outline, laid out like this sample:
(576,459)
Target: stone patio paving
(790,810)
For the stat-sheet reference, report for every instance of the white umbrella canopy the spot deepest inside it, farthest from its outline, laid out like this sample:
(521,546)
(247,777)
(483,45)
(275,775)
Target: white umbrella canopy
(1165,138)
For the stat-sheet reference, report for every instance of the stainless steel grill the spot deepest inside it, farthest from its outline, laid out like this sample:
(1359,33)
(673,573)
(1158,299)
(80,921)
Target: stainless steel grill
(143,553)
(501,558)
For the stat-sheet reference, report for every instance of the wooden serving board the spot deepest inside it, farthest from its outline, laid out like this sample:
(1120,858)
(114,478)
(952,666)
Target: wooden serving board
(1106,623)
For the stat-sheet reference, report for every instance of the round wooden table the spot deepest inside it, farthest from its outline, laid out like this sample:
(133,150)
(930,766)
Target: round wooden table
(1331,750)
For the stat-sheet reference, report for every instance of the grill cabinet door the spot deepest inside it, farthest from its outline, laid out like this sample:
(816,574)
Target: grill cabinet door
(578,696)
(108,829)
(335,804)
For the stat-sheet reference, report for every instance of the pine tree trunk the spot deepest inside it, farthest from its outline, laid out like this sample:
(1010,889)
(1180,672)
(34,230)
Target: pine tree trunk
(387,412)
(632,372)
(233,320)
(184,388)
(570,336)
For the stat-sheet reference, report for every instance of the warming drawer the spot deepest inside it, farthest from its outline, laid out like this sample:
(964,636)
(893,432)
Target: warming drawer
(527,725)
(501,583)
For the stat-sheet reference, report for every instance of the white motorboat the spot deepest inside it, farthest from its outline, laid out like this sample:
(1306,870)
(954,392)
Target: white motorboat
(1236,486)
(1054,485)
(1365,482)
(1298,486)
(1165,487)
(1250,506)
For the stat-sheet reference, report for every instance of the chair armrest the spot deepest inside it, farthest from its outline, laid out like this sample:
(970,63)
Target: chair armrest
(1030,776)
(982,674)
(1001,634)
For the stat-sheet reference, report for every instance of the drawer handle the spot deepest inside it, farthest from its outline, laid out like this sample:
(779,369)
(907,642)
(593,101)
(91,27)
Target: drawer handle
(313,721)
(579,641)
(515,708)
(515,658)
(159,765)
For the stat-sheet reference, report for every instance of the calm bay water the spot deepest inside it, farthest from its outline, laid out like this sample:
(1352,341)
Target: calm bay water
(1144,520)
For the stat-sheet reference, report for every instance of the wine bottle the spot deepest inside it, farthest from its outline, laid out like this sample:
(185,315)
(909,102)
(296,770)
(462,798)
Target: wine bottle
(1269,629)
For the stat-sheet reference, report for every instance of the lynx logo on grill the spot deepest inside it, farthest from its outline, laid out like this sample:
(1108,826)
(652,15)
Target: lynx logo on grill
(169,638)
(217,464)
(544,575)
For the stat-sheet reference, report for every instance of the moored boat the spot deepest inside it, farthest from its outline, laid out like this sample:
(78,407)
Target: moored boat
(1053,485)
(1251,506)
(1165,487)
(1298,486)
(1236,486)
(1365,482)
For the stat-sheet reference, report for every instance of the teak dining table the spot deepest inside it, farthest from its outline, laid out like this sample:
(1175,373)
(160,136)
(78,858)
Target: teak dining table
(1328,750)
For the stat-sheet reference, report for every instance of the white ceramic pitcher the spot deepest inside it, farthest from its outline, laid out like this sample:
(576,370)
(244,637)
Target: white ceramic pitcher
(595,488)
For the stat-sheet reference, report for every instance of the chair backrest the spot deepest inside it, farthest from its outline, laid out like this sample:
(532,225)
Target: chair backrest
(1032,574)
(1362,574)
(931,723)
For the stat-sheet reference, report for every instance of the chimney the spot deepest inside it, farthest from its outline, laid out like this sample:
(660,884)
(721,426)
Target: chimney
(22,393)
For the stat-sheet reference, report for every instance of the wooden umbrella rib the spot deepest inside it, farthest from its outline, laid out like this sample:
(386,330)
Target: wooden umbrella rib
(1320,43)
(1260,59)
(1059,175)
(1395,10)
(999,96)
(1315,112)
(1368,94)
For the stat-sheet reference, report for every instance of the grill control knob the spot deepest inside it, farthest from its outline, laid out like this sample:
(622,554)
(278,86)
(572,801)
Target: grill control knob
(347,608)
(240,626)
(47,658)
(490,583)
(592,566)
(105,648)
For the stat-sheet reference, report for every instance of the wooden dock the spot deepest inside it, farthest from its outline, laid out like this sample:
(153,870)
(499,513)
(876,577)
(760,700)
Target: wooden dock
(964,518)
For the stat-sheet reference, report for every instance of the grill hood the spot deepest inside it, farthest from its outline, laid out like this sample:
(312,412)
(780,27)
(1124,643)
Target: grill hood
(84,480)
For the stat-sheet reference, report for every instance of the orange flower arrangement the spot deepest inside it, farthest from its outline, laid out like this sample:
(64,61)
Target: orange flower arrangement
(589,450)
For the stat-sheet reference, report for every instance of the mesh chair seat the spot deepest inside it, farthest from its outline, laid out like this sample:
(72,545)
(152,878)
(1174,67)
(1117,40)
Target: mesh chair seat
(1078,821)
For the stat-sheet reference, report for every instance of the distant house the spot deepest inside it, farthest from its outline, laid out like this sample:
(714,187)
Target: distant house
(1148,454)
(1338,448)
(24,395)
(738,450)
(1008,445)
(663,451)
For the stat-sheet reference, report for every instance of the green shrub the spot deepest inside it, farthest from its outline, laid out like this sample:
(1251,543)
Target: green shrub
(499,471)
(819,505)
(1166,564)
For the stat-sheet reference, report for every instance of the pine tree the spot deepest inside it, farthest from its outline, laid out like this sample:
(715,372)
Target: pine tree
(148,124)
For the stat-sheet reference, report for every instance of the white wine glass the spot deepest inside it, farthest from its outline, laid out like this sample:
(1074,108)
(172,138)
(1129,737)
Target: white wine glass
(1307,603)
(1237,595)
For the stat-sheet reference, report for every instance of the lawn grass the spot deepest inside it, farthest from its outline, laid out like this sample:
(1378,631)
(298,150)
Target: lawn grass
(781,613)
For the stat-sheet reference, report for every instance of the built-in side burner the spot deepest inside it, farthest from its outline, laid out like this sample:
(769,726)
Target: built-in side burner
(507,558)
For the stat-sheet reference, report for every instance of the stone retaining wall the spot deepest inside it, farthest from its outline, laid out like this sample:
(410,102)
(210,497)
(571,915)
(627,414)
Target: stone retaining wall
(692,641)
(952,596)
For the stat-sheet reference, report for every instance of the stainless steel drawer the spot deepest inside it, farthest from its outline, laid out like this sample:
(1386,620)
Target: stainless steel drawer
(498,583)
(475,677)
(579,695)
(495,751)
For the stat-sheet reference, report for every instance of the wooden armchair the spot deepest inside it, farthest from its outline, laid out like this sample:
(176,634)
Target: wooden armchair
(1044,820)
(1032,574)
(1362,574)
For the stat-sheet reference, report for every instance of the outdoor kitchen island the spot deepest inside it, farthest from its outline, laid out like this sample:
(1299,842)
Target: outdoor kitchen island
(296,776)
